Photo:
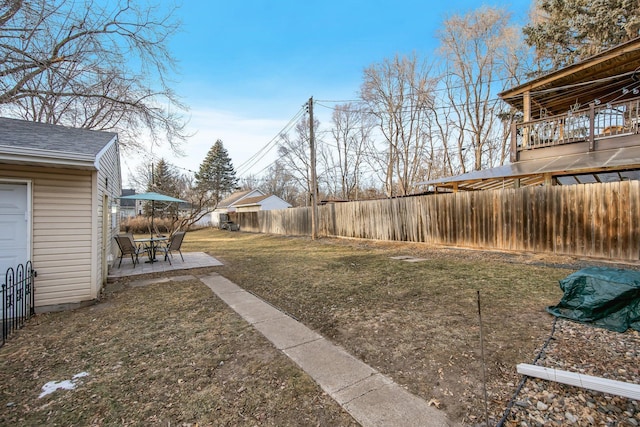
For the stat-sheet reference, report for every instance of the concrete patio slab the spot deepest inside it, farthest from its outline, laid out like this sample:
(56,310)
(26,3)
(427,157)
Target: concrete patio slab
(191,260)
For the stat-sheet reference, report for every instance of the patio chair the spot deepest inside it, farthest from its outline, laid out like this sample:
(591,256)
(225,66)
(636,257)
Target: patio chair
(174,244)
(128,247)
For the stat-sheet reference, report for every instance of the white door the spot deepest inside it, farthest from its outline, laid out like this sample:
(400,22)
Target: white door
(14,226)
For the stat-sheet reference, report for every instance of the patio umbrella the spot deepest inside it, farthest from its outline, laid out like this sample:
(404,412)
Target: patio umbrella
(153,197)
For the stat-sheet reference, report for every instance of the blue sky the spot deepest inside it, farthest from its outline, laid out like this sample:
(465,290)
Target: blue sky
(247,67)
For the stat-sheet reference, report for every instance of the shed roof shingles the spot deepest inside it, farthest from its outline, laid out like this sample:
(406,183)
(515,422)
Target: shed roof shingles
(251,201)
(27,136)
(232,199)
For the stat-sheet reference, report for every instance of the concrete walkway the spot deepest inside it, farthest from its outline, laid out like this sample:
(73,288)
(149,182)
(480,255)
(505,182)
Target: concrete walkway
(371,398)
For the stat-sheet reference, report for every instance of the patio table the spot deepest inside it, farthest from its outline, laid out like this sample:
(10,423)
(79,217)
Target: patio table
(152,245)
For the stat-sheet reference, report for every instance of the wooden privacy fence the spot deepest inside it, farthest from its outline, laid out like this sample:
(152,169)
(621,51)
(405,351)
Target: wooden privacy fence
(595,220)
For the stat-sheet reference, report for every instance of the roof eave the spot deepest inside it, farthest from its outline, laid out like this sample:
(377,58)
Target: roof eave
(545,79)
(106,148)
(601,161)
(37,157)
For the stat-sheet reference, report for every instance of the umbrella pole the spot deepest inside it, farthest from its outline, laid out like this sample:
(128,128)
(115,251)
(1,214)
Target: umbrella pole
(153,246)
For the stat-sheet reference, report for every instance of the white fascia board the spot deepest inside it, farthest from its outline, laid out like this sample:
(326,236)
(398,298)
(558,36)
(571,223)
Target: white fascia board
(246,205)
(107,146)
(30,156)
(604,385)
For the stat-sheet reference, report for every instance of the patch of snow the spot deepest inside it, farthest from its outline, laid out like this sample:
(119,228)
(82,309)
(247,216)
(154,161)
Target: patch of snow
(52,386)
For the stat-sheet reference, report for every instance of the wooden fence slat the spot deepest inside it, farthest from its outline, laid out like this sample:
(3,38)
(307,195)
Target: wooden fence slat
(563,223)
(594,220)
(624,232)
(578,220)
(508,204)
(634,220)
(614,221)
(588,223)
(601,221)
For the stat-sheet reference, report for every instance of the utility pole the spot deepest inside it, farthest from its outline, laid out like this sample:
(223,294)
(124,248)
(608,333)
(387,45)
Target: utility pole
(314,181)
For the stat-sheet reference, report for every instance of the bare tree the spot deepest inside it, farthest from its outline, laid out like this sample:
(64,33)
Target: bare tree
(399,92)
(280,182)
(249,182)
(96,65)
(352,133)
(295,156)
(474,46)
(438,161)
(519,63)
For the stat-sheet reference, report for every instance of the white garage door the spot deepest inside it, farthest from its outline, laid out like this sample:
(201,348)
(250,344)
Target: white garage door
(14,226)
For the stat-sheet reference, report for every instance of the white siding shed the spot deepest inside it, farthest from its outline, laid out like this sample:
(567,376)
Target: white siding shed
(72,181)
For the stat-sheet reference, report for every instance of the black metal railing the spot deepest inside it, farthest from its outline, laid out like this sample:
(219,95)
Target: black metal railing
(18,298)
(596,121)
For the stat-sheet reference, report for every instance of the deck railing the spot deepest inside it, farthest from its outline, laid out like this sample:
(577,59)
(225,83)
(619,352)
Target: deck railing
(596,121)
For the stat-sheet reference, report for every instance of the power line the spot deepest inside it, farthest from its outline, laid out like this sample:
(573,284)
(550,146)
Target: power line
(580,84)
(409,109)
(490,100)
(337,101)
(437,89)
(245,167)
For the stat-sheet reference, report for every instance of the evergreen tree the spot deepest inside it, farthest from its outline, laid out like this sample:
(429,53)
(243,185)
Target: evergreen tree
(165,180)
(566,31)
(216,174)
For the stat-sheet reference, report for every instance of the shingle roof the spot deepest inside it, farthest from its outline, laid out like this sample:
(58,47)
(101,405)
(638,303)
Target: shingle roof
(233,198)
(25,138)
(251,201)
(43,136)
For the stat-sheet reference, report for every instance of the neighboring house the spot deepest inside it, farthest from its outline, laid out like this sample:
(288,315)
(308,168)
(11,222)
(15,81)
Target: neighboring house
(260,203)
(129,208)
(227,205)
(580,124)
(59,190)
(247,201)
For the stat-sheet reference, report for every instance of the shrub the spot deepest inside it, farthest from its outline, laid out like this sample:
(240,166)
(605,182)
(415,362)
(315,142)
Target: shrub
(142,224)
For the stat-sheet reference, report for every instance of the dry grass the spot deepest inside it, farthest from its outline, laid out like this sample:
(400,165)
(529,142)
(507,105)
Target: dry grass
(164,354)
(416,322)
(173,353)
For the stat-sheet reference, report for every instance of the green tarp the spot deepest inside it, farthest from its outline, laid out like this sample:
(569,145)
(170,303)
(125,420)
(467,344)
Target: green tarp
(604,297)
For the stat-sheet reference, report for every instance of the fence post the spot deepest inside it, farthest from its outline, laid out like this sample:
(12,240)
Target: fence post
(31,288)
(5,324)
